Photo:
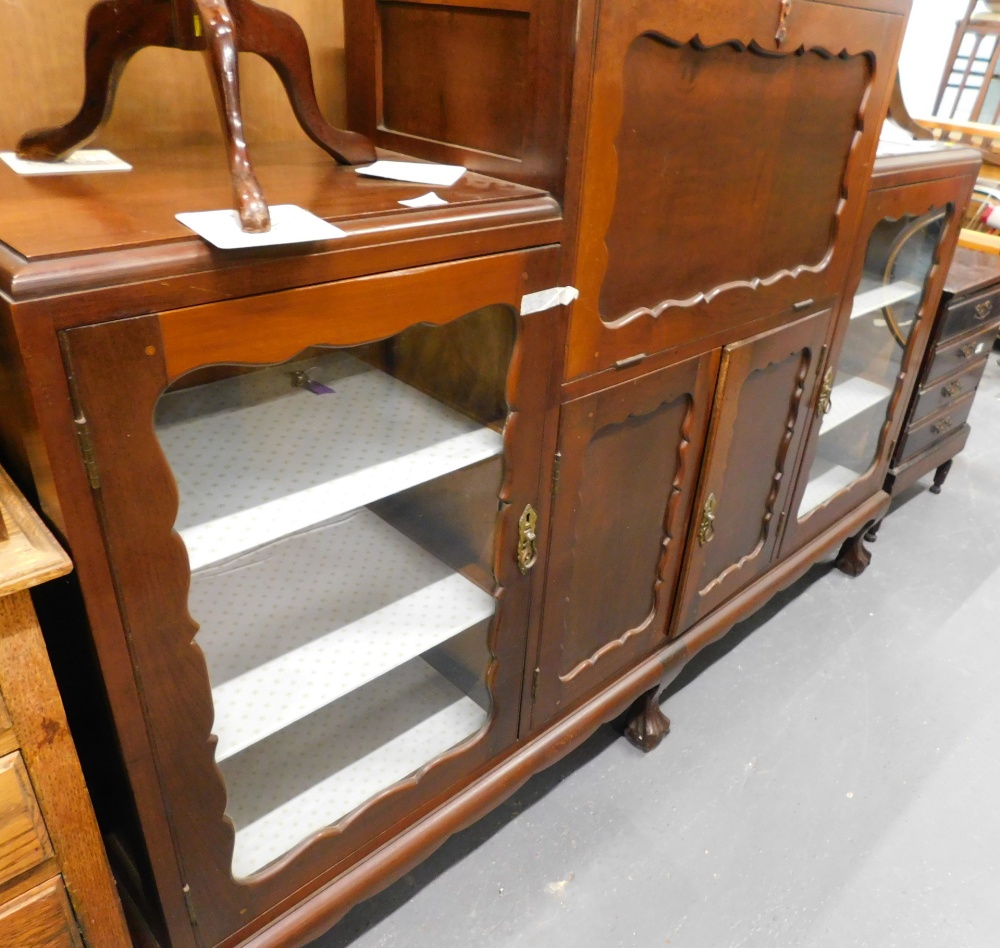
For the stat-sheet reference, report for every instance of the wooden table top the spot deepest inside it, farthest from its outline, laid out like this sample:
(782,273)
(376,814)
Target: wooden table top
(50,216)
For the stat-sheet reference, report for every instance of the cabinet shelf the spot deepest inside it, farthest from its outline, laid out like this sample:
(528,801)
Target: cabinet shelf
(291,628)
(257,459)
(851,397)
(318,770)
(825,480)
(872,300)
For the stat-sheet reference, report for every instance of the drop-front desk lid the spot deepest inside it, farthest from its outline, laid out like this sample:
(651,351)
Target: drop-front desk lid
(62,232)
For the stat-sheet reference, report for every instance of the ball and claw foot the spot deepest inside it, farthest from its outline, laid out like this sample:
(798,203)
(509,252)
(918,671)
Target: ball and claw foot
(647,724)
(939,477)
(853,558)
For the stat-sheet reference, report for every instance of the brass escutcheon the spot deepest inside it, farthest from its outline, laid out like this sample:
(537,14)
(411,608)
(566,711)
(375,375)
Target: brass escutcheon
(952,389)
(527,539)
(825,401)
(984,309)
(706,531)
(942,426)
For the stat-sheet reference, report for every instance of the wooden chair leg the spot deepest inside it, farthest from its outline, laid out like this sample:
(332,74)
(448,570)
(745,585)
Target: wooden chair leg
(278,38)
(221,55)
(116,31)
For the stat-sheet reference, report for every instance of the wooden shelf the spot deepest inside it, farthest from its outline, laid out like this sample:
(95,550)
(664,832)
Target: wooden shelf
(257,459)
(872,300)
(291,628)
(316,772)
(853,396)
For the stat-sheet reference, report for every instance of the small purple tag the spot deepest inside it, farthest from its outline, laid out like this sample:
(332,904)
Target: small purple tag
(318,388)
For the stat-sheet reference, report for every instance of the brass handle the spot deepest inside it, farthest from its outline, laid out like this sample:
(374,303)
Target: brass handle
(825,401)
(527,539)
(967,351)
(952,389)
(984,309)
(942,426)
(706,530)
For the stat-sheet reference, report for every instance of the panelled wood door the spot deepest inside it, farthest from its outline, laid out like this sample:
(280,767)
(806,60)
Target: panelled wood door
(119,371)
(628,464)
(851,446)
(724,169)
(767,386)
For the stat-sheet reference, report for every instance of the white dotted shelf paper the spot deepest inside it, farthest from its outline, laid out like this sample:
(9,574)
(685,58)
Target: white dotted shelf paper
(871,301)
(317,771)
(850,398)
(256,459)
(290,629)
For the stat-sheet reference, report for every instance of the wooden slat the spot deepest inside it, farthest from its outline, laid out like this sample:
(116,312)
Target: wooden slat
(973,240)
(29,555)
(24,842)
(41,918)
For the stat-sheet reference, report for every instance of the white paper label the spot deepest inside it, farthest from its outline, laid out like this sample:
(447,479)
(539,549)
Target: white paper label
(289,225)
(85,161)
(417,172)
(546,299)
(430,199)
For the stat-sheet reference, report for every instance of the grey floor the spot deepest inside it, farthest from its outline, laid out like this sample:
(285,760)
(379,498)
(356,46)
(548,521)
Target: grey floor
(832,779)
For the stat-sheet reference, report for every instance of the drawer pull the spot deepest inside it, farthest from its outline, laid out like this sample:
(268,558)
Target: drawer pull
(527,539)
(802,304)
(967,351)
(706,530)
(984,309)
(942,426)
(631,360)
(952,389)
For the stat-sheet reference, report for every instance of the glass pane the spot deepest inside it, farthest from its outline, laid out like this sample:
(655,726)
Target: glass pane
(884,313)
(339,512)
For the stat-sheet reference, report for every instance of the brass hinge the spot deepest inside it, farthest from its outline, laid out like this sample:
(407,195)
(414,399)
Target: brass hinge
(87,450)
(556,470)
(534,683)
(190,905)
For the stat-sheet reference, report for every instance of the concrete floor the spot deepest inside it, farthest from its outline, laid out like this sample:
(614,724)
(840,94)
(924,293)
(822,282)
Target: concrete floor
(832,779)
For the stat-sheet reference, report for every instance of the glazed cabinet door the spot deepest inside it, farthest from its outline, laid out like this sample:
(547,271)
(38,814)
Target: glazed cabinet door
(725,157)
(903,252)
(762,407)
(312,506)
(628,463)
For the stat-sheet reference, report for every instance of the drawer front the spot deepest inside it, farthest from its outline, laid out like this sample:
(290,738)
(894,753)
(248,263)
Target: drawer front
(923,435)
(964,316)
(8,739)
(947,391)
(41,918)
(959,355)
(24,843)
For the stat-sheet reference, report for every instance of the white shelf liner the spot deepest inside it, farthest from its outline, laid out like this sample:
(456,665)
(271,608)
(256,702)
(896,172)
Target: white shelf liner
(319,770)
(871,301)
(257,459)
(851,397)
(825,480)
(289,629)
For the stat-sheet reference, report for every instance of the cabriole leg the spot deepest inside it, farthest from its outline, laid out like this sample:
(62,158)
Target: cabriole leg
(647,724)
(853,558)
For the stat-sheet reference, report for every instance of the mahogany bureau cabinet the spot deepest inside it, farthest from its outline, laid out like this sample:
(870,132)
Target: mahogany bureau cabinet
(369,531)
